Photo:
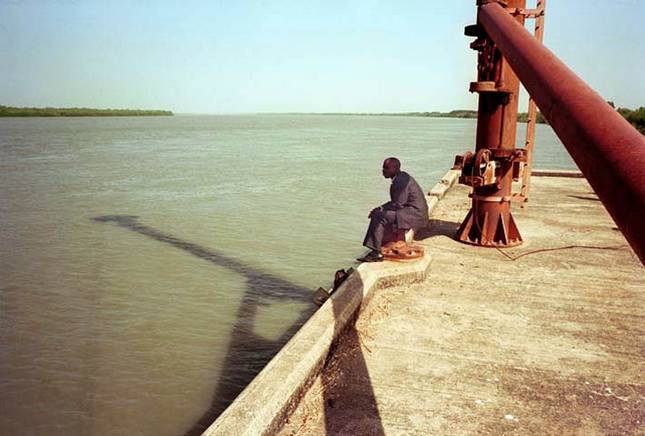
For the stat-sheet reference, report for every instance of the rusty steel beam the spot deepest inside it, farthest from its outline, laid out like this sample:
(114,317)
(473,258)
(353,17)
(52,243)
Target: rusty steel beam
(606,148)
(529,142)
(489,222)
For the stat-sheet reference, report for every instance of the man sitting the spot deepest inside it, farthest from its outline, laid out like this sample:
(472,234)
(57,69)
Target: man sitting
(407,209)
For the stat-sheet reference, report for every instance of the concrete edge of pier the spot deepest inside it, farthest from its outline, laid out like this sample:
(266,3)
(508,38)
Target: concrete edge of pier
(557,173)
(277,389)
(541,338)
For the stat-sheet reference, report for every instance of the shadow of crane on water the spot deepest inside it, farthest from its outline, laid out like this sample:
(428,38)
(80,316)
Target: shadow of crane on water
(247,352)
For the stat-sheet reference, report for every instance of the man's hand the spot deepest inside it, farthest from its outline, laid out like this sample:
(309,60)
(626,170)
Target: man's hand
(374,211)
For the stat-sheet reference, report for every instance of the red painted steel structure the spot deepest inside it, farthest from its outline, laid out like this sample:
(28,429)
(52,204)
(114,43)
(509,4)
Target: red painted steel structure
(489,171)
(606,148)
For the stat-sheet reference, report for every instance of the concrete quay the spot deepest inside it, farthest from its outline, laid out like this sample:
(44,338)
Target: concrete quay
(268,401)
(547,337)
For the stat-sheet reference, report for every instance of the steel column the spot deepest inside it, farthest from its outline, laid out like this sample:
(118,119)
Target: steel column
(490,222)
(529,142)
(606,148)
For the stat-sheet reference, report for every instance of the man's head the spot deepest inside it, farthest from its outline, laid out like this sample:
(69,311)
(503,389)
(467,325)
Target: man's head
(391,167)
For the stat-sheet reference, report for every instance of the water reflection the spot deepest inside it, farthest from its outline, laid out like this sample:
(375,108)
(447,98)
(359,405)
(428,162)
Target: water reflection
(247,352)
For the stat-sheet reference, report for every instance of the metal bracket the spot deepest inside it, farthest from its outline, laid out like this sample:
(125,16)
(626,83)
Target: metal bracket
(474,30)
(488,86)
(528,13)
(491,198)
(503,3)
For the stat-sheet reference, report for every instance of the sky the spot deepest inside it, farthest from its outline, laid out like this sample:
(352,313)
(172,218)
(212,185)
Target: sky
(289,56)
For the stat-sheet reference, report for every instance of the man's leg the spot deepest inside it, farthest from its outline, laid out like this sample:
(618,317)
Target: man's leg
(376,229)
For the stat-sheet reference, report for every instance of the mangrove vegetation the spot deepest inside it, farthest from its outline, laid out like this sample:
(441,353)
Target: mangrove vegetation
(457,113)
(9,111)
(634,116)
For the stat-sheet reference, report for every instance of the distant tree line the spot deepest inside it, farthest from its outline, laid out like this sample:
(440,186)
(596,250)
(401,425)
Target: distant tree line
(636,117)
(457,113)
(522,117)
(8,111)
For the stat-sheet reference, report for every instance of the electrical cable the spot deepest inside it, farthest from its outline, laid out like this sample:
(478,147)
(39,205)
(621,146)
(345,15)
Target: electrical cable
(542,250)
